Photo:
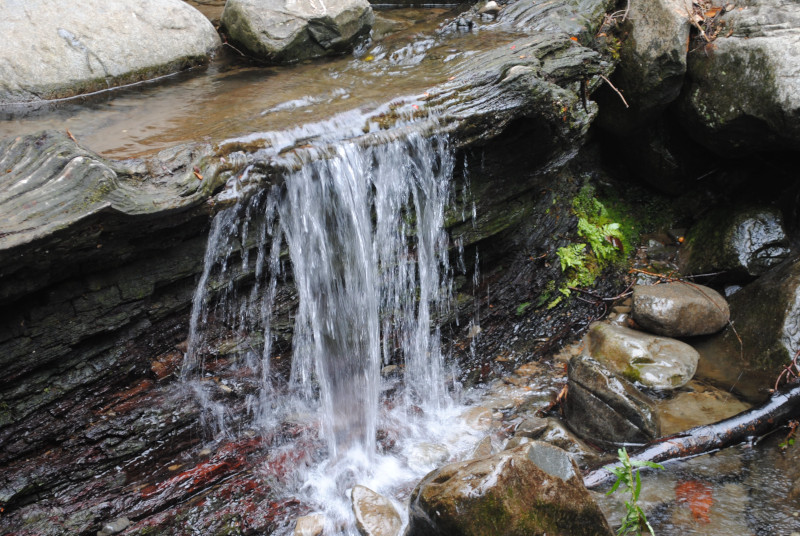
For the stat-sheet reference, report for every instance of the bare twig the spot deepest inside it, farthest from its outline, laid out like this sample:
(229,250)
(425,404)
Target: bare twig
(234,48)
(607,81)
(696,25)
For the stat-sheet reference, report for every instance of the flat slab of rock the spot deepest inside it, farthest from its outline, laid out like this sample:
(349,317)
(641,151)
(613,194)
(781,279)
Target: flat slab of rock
(603,406)
(285,31)
(535,488)
(697,404)
(679,309)
(375,514)
(59,48)
(656,362)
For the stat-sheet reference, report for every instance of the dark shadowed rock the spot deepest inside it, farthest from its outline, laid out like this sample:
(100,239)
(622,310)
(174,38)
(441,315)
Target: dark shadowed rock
(679,309)
(604,406)
(656,362)
(57,48)
(535,488)
(652,64)
(375,514)
(742,93)
(766,316)
(285,31)
(744,243)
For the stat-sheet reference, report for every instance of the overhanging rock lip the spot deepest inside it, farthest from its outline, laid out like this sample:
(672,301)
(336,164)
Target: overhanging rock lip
(475,105)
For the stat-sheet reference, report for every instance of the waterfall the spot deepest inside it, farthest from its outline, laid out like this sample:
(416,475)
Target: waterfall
(364,229)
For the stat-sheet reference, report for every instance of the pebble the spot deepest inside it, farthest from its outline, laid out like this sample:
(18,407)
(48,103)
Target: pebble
(114,527)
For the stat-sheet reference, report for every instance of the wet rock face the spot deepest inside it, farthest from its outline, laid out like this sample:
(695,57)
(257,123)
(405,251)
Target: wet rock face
(603,406)
(744,243)
(656,362)
(285,31)
(679,309)
(652,64)
(55,48)
(375,514)
(532,489)
(743,94)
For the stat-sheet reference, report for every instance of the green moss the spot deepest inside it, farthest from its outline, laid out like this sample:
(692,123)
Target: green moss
(632,374)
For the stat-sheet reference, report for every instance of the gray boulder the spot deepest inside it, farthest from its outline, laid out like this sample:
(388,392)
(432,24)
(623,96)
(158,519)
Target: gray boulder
(535,488)
(679,309)
(742,93)
(285,31)
(603,406)
(744,243)
(58,48)
(375,514)
(656,362)
(652,64)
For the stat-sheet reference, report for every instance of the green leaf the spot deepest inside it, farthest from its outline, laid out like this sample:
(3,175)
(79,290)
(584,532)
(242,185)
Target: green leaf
(644,463)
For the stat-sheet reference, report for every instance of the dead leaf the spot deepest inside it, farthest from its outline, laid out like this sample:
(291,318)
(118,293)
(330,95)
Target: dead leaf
(698,496)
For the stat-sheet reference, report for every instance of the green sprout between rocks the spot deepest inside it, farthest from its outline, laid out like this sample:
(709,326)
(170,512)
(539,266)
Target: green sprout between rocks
(628,480)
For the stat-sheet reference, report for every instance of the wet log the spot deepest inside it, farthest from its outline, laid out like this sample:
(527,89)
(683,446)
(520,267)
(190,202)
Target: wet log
(781,407)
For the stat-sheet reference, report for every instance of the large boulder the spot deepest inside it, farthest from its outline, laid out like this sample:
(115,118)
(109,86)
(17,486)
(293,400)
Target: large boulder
(742,242)
(285,31)
(656,362)
(679,309)
(602,406)
(58,48)
(766,316)
(652,64)
(535,488)
(743,93)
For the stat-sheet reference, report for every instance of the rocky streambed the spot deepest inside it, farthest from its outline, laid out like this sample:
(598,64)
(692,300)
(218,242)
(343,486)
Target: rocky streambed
(106,233)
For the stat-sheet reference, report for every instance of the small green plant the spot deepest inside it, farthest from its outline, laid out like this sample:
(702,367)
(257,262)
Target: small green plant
(628,480)
(580,264)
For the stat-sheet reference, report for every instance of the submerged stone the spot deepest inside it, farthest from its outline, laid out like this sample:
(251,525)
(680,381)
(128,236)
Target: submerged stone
(603,406)
(57,48)
(535,488)
(679,309)
(656,362)
(766,316)
(285,31)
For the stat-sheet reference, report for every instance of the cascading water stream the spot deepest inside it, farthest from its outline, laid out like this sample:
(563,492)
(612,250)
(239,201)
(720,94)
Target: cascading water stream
(364,230)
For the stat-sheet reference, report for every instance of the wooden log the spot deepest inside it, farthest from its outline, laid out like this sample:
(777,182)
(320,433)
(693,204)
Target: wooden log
(781,407)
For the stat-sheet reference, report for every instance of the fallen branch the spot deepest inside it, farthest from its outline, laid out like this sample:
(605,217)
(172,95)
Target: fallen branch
(782,406)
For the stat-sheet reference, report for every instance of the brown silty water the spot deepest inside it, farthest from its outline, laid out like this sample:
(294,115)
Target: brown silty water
(231,97)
